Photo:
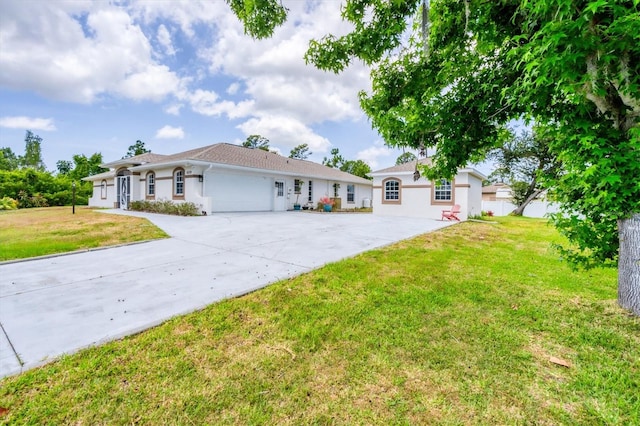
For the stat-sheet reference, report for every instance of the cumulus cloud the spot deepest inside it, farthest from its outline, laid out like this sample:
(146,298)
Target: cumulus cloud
(164,38)
(286,132)
(173,109)
(80,51)
(169,132)
(372,155)
(29,123)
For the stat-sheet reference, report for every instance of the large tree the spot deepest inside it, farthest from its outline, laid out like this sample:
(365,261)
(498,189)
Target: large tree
(525,161)
(472,66)
(32,152)
(137,148)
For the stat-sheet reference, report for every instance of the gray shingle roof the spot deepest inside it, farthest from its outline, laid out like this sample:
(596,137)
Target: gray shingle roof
(234,155)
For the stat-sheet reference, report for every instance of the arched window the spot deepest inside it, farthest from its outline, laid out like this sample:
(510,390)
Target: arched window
(178,183)
(391,191)
(103,189)
(151,184)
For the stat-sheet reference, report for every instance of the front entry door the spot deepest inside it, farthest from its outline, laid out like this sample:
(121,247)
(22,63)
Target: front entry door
(124,189)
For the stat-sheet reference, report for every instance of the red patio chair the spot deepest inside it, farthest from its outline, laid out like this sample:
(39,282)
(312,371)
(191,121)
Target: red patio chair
(451,214)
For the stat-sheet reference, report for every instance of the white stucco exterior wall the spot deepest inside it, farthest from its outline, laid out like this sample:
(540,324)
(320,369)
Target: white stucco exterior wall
(416,197)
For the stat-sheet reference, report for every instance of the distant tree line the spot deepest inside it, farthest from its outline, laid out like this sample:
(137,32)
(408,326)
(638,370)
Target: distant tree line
(24,178)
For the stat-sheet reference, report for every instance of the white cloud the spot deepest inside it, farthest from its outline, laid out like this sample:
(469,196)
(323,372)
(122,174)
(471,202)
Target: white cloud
(373,155)
(164,38)
(233,88)
(285,131)
(168,132)
(27,123)
(173,109)
(80,51)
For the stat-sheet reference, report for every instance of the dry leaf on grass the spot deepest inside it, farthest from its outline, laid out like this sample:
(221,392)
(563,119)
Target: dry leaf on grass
(559,361)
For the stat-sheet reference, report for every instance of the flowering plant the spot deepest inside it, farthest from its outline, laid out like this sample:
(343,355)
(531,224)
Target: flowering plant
(326,201)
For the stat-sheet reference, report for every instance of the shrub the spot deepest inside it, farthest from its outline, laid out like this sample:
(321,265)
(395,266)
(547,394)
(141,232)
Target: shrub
(165,207)
(8,203)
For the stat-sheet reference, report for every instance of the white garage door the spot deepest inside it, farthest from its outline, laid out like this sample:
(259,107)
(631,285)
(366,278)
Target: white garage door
(239,193)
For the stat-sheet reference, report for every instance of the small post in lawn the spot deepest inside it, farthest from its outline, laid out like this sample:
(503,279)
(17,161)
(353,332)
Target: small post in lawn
(73,208)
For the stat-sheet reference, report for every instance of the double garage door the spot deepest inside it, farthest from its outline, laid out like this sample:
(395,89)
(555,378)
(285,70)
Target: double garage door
(239,192)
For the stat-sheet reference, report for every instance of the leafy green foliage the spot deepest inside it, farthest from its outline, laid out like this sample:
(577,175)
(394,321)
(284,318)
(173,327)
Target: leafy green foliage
(8,203)
(406,157)
(137,148)
(165,207)
(33,188)
(301,152)
(335,161)
(260,17)
(522,162)
(32,152)
(256,142)
(356,168)
(8,160)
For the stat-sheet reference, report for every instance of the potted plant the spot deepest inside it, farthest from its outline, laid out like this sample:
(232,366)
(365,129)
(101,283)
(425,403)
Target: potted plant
(299,183)
(327,203)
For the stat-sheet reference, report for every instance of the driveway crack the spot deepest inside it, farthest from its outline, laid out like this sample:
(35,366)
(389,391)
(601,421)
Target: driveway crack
(13,349)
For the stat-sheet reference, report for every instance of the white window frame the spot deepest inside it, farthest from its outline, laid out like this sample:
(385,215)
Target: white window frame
(351,193)
(443,190)
(151,184)
(178,183)
(388,192)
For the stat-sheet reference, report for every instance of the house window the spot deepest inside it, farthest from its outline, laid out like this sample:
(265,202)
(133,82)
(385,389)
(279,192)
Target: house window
(310,198)
(151,184)
(336,189)
(280,189)
(351,193)
(178,183)
(103,189)
(391,191)
(442,190)
(296,186)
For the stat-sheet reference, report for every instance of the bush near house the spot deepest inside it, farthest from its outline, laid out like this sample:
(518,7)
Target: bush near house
(165,207)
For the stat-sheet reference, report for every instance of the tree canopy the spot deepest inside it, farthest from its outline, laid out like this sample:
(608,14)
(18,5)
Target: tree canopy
(301,152)
(136,149)
(470,67)
(524,161)
(406,157)
(256,142)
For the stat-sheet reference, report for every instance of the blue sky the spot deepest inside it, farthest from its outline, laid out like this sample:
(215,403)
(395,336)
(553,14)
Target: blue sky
(95,76)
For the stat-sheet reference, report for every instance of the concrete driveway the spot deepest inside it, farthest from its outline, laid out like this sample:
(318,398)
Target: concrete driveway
(59,305)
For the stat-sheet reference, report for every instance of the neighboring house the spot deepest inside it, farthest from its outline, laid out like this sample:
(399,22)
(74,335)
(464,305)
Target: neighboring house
(225,178)
(498,199)
(397,193)
(496,192)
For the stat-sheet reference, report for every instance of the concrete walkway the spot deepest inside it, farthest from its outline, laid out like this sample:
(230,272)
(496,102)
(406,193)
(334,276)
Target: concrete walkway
(59,305)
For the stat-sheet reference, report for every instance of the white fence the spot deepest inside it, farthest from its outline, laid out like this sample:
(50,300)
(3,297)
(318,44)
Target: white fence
(536,208)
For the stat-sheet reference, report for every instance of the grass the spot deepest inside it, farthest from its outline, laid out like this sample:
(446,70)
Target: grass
(454,327)
(27,233)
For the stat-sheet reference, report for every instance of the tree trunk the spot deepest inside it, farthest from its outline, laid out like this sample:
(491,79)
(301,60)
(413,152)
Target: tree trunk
(520,209)
(629,263)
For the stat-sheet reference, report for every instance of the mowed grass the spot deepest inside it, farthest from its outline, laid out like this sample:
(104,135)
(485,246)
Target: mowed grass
(456,327)
(28,233)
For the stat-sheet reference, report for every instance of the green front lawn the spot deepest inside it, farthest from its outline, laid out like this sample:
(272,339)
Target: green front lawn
(468,325)
(28,233)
